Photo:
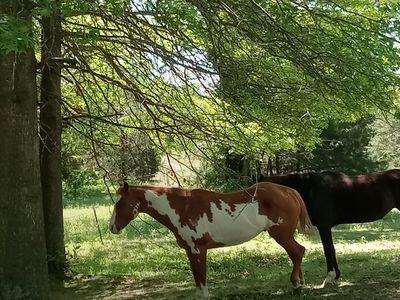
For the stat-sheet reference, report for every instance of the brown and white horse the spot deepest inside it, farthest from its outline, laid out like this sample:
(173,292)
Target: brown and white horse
(201,219)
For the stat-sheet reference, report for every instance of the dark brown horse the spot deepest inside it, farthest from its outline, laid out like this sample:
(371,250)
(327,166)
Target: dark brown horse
(201,219)
(334,198)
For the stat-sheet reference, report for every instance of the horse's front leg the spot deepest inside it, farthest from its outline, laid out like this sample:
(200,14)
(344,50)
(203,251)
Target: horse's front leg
(198,265)
(333,271)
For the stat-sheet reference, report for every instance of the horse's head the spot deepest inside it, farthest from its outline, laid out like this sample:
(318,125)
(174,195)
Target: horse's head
(125,210)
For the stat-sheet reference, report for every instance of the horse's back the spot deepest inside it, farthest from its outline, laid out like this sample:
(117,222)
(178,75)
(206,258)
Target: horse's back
(356,199)
(275,191)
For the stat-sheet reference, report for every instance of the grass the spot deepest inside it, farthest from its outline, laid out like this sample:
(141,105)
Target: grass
(145,262)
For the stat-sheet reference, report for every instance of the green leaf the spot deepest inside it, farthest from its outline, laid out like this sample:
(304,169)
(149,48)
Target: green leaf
(15,35)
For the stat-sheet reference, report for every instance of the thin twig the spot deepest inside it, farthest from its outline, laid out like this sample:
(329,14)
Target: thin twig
(98,227)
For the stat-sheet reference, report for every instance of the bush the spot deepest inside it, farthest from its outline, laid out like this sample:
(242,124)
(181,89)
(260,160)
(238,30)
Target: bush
(79,184)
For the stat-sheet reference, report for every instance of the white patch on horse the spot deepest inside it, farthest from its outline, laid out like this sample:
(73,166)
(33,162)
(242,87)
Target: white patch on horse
(330,278)
(135,210)
(111,225)
(202,292)
(226,207)
(228,226)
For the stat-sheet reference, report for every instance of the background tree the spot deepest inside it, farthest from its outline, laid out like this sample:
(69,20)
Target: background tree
(291,68)
(248,77)
(385,143)
(344,148)
(23,268)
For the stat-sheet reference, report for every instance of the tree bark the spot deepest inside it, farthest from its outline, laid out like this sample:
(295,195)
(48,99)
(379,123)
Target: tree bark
(50,147)
(23,268)
(278,163)
(270,170)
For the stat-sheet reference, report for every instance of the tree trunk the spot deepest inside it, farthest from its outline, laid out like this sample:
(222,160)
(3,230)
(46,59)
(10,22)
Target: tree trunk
(50,148)
(270,171)
(277,163)
(23,268)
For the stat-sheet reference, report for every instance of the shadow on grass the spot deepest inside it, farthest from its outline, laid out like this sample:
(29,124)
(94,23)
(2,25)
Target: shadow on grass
(365,276)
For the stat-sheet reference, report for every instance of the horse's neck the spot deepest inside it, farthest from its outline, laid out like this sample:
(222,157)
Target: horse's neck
(159,208)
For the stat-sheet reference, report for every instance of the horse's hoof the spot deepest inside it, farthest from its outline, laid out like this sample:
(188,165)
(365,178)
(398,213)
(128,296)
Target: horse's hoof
(330,279)
(297,291)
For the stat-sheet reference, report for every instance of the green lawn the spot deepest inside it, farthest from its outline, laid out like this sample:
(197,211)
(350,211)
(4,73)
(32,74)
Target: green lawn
(145,262)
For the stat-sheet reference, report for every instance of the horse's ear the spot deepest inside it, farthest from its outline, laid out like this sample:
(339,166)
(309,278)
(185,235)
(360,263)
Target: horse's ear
(125,187)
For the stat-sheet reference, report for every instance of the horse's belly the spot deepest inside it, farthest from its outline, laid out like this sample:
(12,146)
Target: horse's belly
(241,226)
(236,235)
(225,227)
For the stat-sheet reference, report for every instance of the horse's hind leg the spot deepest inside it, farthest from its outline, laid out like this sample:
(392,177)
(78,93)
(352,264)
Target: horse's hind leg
(198,265)
(283,234)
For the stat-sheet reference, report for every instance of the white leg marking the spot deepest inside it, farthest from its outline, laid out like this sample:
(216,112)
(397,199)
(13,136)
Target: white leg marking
(330,278)
(297,285)
(202,292)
